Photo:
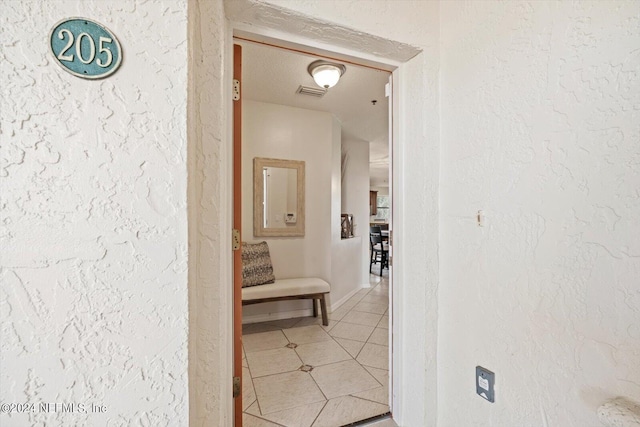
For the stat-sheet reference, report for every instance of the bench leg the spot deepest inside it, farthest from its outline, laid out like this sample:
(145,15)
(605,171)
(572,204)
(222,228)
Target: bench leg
(323,307)
(315,307)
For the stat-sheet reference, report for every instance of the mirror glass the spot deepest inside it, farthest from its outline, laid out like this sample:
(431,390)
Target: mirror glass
(278,194)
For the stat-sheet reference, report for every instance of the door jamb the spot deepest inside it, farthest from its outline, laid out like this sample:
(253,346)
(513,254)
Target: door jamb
(237,228)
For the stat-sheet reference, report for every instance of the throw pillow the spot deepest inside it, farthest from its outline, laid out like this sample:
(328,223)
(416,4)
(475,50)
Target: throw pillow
(256,264)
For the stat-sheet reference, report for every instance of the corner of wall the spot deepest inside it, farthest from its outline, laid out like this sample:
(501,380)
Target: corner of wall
(210,315)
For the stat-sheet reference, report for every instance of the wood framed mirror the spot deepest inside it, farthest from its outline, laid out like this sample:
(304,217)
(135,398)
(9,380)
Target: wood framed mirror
(278,197)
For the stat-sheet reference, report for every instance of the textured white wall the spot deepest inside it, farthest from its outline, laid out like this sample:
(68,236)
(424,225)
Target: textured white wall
(93,303)
(210,215)
(547,94)
(540,130)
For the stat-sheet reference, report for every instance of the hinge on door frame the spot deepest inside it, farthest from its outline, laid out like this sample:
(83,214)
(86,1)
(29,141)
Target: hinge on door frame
(235,242)
(236,387)
(236,89)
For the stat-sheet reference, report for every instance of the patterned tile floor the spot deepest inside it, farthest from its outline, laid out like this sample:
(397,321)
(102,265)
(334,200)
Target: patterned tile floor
(299,373)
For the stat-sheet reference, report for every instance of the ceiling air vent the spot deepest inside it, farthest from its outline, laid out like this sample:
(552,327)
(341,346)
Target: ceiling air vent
(311,91)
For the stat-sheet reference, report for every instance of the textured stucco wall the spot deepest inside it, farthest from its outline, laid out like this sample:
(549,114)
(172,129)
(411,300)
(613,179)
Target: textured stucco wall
(210,221)
(93,301)
(540,130)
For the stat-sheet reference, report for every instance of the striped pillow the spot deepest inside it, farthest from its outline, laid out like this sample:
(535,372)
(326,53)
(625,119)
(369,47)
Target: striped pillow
(256,264)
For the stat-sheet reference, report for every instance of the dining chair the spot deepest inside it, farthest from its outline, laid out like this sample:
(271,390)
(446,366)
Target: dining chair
(379,249)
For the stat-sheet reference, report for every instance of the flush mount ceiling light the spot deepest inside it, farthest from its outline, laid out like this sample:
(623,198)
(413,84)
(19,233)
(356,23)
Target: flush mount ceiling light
(326,74)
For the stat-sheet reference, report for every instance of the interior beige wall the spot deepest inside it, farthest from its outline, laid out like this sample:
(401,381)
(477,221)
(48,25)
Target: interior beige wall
(289,133)
(355,198)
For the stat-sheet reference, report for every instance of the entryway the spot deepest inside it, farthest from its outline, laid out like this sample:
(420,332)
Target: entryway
(319,369)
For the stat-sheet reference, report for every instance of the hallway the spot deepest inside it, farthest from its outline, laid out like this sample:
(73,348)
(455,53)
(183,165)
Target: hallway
(298,373)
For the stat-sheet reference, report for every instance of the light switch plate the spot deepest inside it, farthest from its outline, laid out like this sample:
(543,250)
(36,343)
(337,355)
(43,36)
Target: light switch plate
(485,383)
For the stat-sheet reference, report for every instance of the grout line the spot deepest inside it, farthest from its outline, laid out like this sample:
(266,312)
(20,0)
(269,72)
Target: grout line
(318,385)
(368,389)
(358,355)
(374,377)
(264,419)
(255,392)
(280,373)
(369,337)
(343,347)
(360,324)
(347,338)
(320,412)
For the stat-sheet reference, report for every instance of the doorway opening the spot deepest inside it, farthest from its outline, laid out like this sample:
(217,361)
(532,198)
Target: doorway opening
(348,360)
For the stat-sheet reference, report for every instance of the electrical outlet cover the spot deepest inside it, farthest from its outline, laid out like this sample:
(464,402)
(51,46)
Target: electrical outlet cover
(485,383)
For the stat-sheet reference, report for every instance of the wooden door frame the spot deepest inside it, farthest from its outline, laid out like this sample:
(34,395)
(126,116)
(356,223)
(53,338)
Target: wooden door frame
(237,226)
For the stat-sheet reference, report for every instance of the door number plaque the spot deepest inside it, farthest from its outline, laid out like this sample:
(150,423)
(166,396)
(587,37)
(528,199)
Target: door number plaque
(85,48)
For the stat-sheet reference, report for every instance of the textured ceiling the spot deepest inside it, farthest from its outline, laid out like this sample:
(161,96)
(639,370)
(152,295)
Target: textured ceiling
(273,75)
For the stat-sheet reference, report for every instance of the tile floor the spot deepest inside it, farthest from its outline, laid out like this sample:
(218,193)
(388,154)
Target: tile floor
(299,373)
(383,422)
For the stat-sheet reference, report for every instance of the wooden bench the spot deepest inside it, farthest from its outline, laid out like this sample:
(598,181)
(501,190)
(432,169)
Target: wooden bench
(311,288)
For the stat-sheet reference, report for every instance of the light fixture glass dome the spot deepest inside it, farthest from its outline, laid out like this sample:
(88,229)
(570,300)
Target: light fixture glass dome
(326,74)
